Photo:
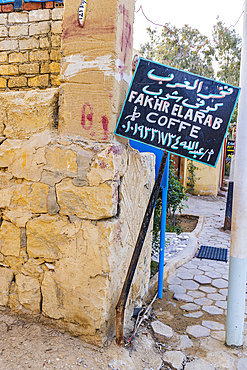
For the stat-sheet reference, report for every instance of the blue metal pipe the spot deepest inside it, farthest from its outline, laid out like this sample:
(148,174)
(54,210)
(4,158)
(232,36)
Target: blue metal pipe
(163,229)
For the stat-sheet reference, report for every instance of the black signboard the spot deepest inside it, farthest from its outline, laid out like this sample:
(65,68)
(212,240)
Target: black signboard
(177,111)
(230,145)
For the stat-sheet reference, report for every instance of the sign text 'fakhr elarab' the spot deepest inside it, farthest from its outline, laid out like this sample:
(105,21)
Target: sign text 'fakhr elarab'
(177,111)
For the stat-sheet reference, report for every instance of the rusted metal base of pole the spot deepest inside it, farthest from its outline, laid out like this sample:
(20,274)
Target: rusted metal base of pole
(136,254)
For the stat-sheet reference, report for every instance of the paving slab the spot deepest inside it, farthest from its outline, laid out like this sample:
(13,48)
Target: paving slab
(221,360)
(216,297)
(213,325)
(184,342)
(205,268)
(242,364)
(223,292)
(190,307)
(208,289)
(190,265)
(183,297)
(161,331)
(196,294)
(174,359)
(220,283)
(173,280)
(212,310)
(177,289)
(184,275)
(202,279)
(219,335)
(213,274)
(190,284)
(203,301)
(194,315)
(198,331)
(221,304)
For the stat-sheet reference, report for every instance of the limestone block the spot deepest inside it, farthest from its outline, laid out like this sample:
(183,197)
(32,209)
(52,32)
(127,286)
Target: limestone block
(10,239)
(134,193)
(10,70)
(6,276)
(5,197)
(14,263)
(8,151)
(29,292)
(3,84)
(81,275)
(56,27)
(3,31)
(18,81)
(39,81)
(92,115)
(107,165)
(17,216)
(6,180)
(44,42)
(18,58)
(39,15)
(57,14)
(3,18)
(3,57)
(18,17)
(18,30)
(61,160)
(61,303)
(32,68)
(8,45)
(51,297)
(30,43)
(44,237)
(38,110)
(39,28)
(32,268)
(31,197)
(90,202)
(28,163)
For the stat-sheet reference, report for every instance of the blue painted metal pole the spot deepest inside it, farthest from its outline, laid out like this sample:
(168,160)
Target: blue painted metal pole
(163,229)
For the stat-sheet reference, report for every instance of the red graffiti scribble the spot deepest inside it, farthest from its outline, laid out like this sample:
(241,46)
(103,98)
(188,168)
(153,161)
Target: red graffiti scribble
(102,164)
(105,124)
(115,150)
(92,133)
(126,32)
(88,116)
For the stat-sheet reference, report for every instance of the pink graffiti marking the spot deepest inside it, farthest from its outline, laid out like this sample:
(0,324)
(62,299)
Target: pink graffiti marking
(87,120)
(105,124)
(126,32)
(88,116)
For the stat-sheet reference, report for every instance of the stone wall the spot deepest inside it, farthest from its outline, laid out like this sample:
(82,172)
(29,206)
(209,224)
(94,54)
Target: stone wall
(72,194)
(30,43)
(70,215)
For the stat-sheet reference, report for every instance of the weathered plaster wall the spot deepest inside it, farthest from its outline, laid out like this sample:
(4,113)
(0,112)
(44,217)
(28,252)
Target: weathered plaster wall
(72,196)
(208,178)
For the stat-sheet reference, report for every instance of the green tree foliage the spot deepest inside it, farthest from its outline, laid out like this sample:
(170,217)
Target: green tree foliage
(183,49)
(227,44)
(187,49)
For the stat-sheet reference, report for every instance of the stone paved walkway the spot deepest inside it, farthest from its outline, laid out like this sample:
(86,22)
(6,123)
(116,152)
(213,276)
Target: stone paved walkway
(200,288)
